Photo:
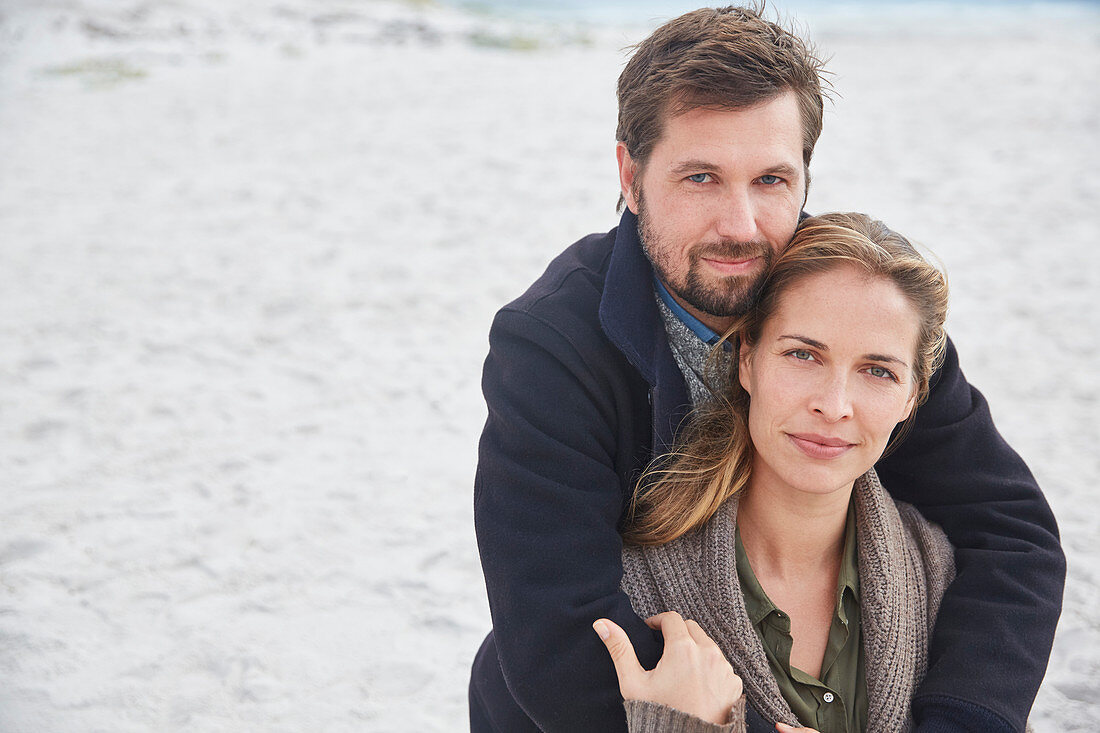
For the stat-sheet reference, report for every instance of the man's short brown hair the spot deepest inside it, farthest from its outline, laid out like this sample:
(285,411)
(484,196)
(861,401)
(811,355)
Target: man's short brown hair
(720,58)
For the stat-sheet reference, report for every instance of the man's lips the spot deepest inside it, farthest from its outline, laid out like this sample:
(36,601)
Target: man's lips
(737,266)
(820,446)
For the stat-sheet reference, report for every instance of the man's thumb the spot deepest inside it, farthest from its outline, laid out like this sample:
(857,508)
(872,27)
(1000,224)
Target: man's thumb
(621,650)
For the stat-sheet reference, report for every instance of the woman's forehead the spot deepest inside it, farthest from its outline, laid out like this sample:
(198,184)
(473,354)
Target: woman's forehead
(846,303)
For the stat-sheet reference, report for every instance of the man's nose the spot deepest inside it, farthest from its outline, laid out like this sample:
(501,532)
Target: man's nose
(833,399)
(736,219)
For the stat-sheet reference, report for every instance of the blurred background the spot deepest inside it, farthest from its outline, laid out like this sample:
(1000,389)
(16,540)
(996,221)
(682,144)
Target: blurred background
(249,253)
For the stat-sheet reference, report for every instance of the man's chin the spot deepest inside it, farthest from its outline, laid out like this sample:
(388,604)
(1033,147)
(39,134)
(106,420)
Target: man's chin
(730,300)
(726,308)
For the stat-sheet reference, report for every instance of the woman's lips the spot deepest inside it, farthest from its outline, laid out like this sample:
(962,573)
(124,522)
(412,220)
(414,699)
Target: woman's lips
(820,446)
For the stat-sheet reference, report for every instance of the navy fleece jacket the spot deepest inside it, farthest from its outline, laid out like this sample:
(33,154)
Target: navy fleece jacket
(582,391)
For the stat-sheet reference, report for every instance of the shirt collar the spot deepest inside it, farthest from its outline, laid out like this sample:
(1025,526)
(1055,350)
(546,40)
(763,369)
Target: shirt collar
(697,327)
(849,565)
(757,604)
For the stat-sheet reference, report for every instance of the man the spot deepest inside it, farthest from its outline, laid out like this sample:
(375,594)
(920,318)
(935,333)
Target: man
(591,372)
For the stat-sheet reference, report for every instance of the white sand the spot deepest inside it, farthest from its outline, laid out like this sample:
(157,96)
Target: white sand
(248,261)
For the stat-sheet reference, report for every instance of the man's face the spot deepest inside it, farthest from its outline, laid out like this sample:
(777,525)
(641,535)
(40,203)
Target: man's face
(718,197)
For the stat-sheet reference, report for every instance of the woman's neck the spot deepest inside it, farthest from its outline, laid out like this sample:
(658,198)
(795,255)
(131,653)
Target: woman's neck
(789,533)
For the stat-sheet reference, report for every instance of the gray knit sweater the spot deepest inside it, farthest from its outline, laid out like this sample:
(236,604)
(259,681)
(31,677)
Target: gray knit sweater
(905,564)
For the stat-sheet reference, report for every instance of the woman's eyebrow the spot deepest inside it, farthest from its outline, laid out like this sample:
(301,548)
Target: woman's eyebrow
(886,358)
(822,347)
(806,340)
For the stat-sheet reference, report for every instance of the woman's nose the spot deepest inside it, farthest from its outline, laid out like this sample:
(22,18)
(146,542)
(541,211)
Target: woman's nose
(833,400)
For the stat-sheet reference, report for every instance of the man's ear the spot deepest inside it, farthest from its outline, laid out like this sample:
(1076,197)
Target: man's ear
(744,367)
(628,170)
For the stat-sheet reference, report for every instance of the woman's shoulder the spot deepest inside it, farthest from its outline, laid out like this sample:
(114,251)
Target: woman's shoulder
(934,551)
(930,539)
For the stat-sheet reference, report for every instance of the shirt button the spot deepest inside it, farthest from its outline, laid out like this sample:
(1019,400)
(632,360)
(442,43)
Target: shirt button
(828,697)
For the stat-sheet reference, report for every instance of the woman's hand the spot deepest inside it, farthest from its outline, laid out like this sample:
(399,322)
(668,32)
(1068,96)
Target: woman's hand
(784,728)
(692,676)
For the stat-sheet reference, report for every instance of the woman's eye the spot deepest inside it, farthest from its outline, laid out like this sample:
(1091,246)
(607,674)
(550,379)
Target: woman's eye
(770,180)
(802,355)
(699,178)
(881,372)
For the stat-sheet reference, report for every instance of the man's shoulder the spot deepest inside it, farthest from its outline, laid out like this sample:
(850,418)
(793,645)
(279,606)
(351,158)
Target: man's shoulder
(567,295)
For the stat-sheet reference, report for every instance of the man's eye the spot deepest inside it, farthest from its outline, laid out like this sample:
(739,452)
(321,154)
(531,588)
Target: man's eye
(770,180)
(699,178)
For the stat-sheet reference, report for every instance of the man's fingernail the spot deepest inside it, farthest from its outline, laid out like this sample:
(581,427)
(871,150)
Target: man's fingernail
(602,630)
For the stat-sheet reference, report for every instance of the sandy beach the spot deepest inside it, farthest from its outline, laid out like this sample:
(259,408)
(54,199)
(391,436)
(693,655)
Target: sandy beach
(248,261)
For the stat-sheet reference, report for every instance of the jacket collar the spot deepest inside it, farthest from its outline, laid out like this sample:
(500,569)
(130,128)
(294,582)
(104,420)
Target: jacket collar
(630,318)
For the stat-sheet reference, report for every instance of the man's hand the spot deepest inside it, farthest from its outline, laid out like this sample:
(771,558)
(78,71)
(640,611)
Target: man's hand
(692,676)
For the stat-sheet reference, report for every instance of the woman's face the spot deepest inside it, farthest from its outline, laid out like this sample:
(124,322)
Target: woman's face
(829,379)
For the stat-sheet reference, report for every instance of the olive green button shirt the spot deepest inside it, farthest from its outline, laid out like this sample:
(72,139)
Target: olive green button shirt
(837,703)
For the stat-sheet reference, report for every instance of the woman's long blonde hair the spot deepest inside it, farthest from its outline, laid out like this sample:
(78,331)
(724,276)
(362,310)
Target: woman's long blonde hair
(712,460)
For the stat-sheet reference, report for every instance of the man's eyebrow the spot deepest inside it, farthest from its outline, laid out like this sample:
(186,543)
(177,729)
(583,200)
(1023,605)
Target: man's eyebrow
(822,347)
(784,171)
(693,166)
(698,165)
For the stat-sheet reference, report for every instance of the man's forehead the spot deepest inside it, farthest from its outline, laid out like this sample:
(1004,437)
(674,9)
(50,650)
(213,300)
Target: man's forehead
(705,133)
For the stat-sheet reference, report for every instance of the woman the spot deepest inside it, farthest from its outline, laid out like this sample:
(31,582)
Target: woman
(767,526)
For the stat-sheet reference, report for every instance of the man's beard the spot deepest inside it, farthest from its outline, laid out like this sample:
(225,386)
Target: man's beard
(729,297)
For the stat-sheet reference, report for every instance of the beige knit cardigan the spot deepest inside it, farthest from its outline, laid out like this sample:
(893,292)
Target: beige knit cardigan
(905,564)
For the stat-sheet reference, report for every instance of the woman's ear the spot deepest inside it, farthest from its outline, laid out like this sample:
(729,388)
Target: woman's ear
(910,405)
(744,366)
